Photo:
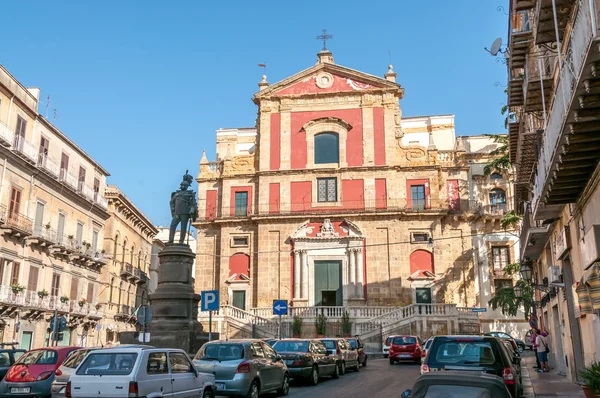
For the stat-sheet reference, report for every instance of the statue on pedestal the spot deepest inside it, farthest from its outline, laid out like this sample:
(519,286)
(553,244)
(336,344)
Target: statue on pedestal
(183,208)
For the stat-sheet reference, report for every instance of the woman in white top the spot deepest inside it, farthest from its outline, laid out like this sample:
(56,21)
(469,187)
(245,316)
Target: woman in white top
(542,351)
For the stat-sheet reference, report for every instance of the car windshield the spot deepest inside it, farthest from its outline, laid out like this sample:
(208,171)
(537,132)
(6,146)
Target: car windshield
(117,363)
(220,352)
(38,357)
(330,344)
(404,340)
(75,359)
(428,343)
(456,353)
(388,341)
(291,346)
(450,391)
(352,343)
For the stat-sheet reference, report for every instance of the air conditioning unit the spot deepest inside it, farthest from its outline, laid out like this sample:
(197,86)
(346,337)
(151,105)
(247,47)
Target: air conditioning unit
(554,275)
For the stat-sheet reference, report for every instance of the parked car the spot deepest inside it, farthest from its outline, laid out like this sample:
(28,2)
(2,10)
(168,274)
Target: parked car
(244,367)
(346,356)
(528,344)
(358,345)
(519,344)
(425,348)
(8,356)
(457,384)
(511,350)
(485,354)
(307,359)
(386,345)
(130,371)
(405,348)
(270,341)
(64,372)
(33,373)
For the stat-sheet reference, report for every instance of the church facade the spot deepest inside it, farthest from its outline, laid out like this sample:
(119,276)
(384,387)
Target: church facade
(334,198)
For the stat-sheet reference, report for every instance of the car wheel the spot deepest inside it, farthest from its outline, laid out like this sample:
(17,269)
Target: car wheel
(357,367)
(342,368)
(392,361)
(336,372)
(253,392)
(385,355)
(313,379)
(520,348)
(208,394)
(365,362)
(285,386)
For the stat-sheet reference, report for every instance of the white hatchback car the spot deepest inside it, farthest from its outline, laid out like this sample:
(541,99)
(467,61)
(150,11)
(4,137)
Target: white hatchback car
(139,372)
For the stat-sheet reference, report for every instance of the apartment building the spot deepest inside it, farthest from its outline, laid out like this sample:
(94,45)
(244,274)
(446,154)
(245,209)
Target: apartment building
(553,62)
(52,217)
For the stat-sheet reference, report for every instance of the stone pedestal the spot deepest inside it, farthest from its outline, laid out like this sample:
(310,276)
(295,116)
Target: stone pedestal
(174,304)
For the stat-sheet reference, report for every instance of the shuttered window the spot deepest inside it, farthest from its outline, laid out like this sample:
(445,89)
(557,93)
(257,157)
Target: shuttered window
(74,286)
(32,283)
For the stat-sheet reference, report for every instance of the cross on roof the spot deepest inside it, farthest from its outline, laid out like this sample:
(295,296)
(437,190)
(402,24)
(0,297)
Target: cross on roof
(324,37)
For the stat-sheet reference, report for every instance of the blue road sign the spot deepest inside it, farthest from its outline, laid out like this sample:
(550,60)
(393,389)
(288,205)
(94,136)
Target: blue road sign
(280,307)
(478,309)
(62,323)
(209,300)
(144,315)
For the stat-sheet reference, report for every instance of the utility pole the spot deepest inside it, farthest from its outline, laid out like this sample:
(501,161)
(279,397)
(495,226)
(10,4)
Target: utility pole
(55,329)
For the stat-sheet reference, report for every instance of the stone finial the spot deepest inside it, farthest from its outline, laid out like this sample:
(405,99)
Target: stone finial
(325,57)
(390,75)
(460,145)
(204,159)
(431,146)
(263,83)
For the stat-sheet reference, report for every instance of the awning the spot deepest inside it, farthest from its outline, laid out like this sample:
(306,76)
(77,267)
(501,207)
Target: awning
(585,303)
(593,281)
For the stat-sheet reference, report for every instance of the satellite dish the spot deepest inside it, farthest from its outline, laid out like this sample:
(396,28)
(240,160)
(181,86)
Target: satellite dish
(495,47)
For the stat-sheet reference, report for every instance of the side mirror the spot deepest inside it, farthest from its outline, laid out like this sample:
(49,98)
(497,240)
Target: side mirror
(406,393)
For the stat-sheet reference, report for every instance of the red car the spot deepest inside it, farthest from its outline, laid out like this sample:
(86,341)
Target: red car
(405,348)
(32,375)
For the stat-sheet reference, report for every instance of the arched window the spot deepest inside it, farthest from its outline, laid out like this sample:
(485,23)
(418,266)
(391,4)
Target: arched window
(131,255)
(239,264)
(146,262)
(496,176)
(421,261)
(128,295)
(110,294)
(124,251)
(120,291)
(497,196)
(139,259)
(327,148)
(116,247)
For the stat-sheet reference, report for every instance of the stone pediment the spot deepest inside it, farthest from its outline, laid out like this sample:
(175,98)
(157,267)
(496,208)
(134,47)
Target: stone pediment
(326,78)
(326,230)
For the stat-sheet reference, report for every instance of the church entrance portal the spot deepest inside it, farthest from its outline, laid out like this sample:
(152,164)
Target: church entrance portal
(328,283)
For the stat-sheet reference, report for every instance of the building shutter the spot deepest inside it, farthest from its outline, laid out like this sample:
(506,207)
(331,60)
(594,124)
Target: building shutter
(74,286)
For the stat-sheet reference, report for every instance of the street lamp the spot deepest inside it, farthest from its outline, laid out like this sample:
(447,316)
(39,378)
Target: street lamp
(518,291)
(525,272)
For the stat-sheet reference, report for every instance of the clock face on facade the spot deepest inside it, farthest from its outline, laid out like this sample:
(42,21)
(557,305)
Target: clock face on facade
(324,80)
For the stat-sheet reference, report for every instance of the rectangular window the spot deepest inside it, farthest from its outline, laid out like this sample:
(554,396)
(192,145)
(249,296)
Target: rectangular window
(74,288)
(81,178)
(90,292)
(417,197)
(60,228)
(39,218)
(20,133)
(239,299)
(502,283)
(94,242)
(499,258)
(326,189)
(15,202)
(79,233)
(55,289)
(34,273)
(241,204)
(43,151)
(14,274)
(157,363)
(240,241)
(420,237)
(64,166)
(96,188)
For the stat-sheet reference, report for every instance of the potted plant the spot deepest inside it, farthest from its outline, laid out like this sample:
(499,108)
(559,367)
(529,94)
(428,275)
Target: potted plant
(43,293)
(590,375)
(346,324)
(321,325)
(64,299)
(70,237)
(16,288)
(48,226)
(98,306)
(297,326)
(82,302)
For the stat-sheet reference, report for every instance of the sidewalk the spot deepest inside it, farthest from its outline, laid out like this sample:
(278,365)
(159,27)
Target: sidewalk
(545,385)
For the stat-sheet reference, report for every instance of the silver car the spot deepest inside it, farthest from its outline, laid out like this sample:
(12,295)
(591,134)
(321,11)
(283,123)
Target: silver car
(244,367)
(64,372)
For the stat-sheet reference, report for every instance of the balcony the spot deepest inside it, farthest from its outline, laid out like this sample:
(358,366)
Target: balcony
(545,31)
(521,32)
(143,278)
(68,178)
(534,235)
(43,235)
(515,87)
(521,5)
(125,314)
(127,270)
(25,149)
(570,148)
(538,84)
(29,300)
(527,148)
(6,135)
(15,224)
(48,165)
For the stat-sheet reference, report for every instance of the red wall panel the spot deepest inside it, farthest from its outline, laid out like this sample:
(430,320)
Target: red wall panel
(275,154)
(410,183)
(232,199)
(301,195)
(380,193)
(379,136)
(274,197)
(211,204)
(421,260)
(453,194)
(353,194)
(239,264)
(340,83)
(354,142)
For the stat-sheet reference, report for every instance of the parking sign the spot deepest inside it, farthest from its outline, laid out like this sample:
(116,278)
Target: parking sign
(209,300)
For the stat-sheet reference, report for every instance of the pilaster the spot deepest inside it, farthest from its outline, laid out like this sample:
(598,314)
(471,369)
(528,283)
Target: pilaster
(368,135)
(285,131)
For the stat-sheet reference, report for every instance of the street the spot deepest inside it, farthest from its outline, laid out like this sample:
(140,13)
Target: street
(377,379)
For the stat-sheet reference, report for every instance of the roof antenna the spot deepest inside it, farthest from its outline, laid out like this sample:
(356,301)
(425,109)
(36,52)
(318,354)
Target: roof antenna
(47,105)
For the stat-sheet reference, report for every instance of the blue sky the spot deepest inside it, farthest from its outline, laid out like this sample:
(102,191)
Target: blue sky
(143,85)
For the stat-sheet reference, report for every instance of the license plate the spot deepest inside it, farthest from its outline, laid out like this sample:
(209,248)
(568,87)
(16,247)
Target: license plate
(220,386)
(405,355)
(23,390)
(289,361)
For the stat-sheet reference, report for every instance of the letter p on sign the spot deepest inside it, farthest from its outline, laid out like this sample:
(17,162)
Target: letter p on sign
(209,300)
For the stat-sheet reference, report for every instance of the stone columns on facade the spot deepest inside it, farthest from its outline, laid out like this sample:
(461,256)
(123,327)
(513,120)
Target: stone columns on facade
(297,270)
(359,273)
(304,262)
(352,271)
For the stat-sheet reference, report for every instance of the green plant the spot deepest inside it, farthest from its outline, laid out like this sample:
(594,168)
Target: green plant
(321,324)
(43,293)
(64,299)
(48,226)
(16,288)
(510,220)
(505,299)
(501,160)
(590,375)
(297,326)
(346,323)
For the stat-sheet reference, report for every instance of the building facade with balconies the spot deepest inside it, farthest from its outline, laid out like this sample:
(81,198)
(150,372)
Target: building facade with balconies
(52,216)
(128,240)
(554,56)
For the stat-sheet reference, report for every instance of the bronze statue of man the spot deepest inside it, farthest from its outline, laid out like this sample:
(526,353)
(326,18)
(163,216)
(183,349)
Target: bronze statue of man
(183,208)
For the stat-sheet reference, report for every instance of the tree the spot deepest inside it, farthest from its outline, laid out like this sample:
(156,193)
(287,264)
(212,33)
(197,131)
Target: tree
(501,159)
(505,299)
(510,220)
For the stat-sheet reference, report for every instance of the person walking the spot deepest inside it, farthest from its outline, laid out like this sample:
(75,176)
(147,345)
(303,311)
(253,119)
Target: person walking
(542,351)
(532,340)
